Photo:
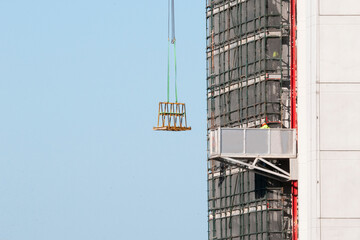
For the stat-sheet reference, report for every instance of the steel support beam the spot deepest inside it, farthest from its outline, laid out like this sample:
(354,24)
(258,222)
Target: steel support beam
(277,172)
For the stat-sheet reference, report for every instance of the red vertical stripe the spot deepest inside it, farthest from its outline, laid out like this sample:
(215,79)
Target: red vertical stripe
(293,80)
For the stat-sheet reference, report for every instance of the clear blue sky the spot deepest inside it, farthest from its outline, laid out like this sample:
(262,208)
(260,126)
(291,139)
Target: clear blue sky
(79,86)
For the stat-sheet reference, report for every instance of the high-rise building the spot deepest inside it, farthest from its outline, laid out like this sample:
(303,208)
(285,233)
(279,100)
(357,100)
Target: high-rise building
(292,65)
(248,84)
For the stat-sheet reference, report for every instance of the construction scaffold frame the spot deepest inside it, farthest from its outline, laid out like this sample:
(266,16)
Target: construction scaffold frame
(248,83)
(248,63)
(241,206)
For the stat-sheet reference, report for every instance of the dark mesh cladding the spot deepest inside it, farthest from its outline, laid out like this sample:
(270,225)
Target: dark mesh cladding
(247,52)
(244,205)
(247,83)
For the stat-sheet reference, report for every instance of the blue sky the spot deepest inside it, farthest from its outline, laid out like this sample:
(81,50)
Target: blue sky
(79,86)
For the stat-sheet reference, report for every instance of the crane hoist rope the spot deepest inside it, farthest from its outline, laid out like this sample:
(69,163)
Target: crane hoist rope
(171,25)
(171,115)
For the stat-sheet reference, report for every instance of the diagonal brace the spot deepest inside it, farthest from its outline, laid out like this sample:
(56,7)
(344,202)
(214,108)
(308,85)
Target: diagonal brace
(283,174)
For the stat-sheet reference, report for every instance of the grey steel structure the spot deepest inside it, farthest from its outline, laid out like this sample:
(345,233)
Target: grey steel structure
(248,84)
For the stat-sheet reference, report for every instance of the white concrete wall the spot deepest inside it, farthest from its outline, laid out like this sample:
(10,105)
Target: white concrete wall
(329,119)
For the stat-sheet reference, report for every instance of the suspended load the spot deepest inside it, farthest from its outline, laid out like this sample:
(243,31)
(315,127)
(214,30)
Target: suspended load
(172,115)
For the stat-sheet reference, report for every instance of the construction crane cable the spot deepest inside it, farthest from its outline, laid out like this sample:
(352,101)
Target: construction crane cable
(168,19)
(176,97)
(171,28)
(168,66)
(173,21)
(168,73)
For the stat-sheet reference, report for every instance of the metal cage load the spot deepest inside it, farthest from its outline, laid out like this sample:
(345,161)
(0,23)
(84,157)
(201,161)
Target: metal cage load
(172,117)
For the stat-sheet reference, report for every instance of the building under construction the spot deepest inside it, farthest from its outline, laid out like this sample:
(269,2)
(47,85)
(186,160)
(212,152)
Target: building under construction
(248,84)
(270,63)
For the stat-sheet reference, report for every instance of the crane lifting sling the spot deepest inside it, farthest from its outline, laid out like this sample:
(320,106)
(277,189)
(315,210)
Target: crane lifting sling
(171,115)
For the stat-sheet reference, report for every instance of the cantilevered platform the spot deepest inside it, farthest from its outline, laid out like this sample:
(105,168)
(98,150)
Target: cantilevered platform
(256,149)
(253,142)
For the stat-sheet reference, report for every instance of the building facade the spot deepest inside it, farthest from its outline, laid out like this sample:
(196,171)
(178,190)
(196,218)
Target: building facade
(248,84)
(328,112)
(250,66)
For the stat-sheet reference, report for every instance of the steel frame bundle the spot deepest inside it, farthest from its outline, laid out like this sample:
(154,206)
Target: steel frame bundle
(172,117)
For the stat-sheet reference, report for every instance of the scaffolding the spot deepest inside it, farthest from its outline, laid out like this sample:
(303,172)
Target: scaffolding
(248,83)
(243,206)
(248,63)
